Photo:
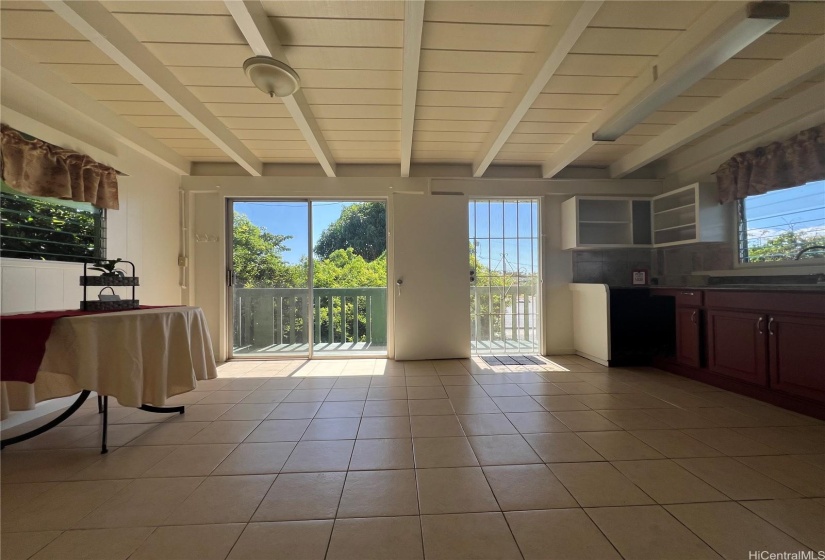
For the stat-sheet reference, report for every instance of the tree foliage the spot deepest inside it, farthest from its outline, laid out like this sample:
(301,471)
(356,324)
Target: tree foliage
(257,256)
(343,268)
(40,228)
(361,226)
(785,246)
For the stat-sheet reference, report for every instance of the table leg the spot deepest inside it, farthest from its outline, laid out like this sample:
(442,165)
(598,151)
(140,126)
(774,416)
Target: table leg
(162,410)
(103,448)
(84,394)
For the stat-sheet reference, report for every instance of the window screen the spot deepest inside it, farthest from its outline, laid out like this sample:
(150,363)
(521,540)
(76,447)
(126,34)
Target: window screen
(49,229)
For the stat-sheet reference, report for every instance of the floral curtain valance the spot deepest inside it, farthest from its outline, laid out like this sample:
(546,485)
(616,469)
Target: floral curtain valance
(41,169)
(780,165)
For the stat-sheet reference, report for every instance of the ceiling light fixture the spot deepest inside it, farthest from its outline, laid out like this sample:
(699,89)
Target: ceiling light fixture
(272,76)
(735,34)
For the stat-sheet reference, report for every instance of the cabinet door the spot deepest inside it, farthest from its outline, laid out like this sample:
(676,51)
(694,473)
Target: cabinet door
(737,345)
(797,355)
(687,336)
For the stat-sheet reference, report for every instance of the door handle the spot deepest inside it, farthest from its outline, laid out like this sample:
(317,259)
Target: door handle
(770,326)
(693,317)
(759,325)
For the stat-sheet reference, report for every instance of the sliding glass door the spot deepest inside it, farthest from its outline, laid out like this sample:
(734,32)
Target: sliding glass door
(270,286)
(308,278)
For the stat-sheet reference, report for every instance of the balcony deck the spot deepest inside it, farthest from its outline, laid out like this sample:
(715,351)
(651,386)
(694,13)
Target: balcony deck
(321,348)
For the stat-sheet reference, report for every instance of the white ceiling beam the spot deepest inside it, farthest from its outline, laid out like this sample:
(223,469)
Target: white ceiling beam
(413,29)
(253,22)
(700,34)
(556,42)
(803,110)
(77,103)
(800,66)
(105,31)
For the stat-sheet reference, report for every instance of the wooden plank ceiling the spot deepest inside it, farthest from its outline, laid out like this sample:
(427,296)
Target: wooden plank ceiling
(349,57)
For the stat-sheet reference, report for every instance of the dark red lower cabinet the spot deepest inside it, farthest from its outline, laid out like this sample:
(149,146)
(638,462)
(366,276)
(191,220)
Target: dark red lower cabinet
(688,339)
(737,345)
(797,355)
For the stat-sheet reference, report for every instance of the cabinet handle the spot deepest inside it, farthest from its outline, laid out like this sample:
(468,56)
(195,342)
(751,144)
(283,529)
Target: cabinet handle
(759,325)
(770,326)
(693,317)
(688,294)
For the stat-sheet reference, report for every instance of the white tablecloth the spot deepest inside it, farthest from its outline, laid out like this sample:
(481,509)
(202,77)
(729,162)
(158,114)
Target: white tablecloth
(138,357)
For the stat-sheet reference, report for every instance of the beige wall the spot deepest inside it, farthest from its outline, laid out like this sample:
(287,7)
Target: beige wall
(206,207)
(144,230)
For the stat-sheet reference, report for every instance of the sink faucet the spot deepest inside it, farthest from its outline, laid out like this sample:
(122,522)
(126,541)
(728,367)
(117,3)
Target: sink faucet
(806,249)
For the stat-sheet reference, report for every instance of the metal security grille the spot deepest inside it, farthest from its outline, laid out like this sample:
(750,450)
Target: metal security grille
(504,275)
(51,230)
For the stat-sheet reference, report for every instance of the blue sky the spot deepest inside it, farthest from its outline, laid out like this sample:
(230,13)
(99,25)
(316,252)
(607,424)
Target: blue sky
(802,207)
(290,218)
(504,233)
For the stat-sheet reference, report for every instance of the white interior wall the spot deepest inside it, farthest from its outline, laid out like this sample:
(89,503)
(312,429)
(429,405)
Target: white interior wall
(205,231)
(557,273)
(144,230)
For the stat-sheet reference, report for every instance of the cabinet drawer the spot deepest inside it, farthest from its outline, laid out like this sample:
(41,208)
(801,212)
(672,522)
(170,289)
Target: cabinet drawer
(689,298)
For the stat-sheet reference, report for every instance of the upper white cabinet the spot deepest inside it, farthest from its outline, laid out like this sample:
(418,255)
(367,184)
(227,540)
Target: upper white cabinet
(590,222)
(691,214)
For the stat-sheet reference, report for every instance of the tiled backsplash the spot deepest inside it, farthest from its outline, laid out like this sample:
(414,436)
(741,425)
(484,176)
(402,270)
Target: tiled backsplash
(613,267)
(672,266)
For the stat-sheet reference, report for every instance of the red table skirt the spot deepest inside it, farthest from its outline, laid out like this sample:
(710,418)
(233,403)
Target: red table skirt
(23,341)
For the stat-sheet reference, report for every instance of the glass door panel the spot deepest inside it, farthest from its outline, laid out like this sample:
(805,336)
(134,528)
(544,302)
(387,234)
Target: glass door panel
(349,278)
(271,285)
(504,295)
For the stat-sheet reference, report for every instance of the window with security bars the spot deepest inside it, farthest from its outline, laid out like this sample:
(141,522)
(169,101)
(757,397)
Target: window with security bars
(504,276)
(776,226)
(50,229)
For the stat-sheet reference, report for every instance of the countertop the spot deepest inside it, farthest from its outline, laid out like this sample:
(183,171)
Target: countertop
(795,288)
(750,287)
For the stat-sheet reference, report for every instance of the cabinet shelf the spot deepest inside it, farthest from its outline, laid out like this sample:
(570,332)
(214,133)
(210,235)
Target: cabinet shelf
(603,222)
(683,207)
(680,226)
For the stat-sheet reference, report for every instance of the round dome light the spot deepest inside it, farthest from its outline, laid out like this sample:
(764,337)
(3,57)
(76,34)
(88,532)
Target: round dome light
(272,76)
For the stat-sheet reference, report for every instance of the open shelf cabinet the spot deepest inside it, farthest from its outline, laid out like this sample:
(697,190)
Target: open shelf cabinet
(691,214)
(597,222)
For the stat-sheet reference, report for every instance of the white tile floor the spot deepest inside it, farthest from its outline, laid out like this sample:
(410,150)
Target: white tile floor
(375,459)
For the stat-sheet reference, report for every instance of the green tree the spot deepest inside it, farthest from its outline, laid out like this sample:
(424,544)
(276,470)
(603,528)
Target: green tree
(48,229)
(361,226)
(345,269)
(784,246)
(257,256)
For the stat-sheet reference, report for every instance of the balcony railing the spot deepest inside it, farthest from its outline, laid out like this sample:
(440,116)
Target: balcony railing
(275,319)
(269,318)
(504,318)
